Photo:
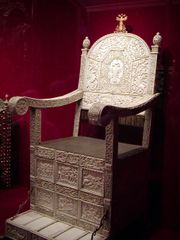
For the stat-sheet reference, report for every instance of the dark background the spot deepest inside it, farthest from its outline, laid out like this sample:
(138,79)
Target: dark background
(40,47)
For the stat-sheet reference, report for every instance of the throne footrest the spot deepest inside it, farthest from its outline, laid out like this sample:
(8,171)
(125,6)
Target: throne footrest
(34,225)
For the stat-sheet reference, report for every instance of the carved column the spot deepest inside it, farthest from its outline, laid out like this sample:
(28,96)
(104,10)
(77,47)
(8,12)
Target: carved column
(111,154)
(86,44)
(35,126)
(151,88)
(35,138)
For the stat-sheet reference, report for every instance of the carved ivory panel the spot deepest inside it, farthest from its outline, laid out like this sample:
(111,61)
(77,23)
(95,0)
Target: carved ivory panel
(117,67)
(68,186)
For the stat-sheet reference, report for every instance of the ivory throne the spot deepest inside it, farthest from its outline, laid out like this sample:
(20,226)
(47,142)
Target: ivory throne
(80,184)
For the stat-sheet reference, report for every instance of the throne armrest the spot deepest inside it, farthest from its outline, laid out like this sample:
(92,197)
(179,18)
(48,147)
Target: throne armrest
(101,114)
(20,105)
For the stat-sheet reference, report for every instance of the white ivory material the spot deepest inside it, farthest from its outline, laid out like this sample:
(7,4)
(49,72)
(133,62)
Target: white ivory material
(39,223)
(73,234)
(55,229)
(30,224)
(27,218)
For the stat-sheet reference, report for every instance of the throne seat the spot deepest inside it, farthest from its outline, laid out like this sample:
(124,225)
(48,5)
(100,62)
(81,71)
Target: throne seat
(92,147)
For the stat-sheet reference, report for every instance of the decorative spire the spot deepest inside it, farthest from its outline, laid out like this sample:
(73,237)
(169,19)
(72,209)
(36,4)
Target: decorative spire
(121,18)
(86,43)
(157,39)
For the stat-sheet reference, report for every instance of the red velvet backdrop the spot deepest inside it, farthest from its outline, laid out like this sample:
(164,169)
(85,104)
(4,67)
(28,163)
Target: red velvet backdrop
(40,46)
(40,55)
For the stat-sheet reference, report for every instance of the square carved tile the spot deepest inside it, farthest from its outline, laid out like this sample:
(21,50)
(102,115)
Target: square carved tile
(92,213)
(67,175)
(44,169)
(92,181)
(44,198)
(66,205)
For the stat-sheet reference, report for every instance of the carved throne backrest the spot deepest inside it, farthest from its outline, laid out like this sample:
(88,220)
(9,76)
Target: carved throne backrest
(118,68)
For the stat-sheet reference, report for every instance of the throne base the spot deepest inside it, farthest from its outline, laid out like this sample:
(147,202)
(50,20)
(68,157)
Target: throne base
(32,225)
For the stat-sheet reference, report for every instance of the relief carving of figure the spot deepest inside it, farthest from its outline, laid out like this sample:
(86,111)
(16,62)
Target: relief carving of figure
(115,71)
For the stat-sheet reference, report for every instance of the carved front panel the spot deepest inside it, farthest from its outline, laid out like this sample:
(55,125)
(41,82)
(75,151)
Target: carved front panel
(92,181)
(68,191)
(91,198)
(66,174)
(45,152)
(44,198)
(92,162)
(67,157)
(15,232)
(91,212)
(45,184)
(66,205)
(44,169)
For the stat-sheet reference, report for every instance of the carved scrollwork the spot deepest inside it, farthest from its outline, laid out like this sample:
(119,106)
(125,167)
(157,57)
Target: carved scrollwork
(107,99)
(117,64)
(18,105)
(92,75)
(102,113)
(140,72)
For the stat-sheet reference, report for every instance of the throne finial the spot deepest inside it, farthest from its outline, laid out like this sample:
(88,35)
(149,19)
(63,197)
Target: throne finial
(157,39)
(121,18)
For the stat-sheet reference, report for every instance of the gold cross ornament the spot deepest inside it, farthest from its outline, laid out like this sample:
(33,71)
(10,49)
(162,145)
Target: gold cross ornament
(121,18)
